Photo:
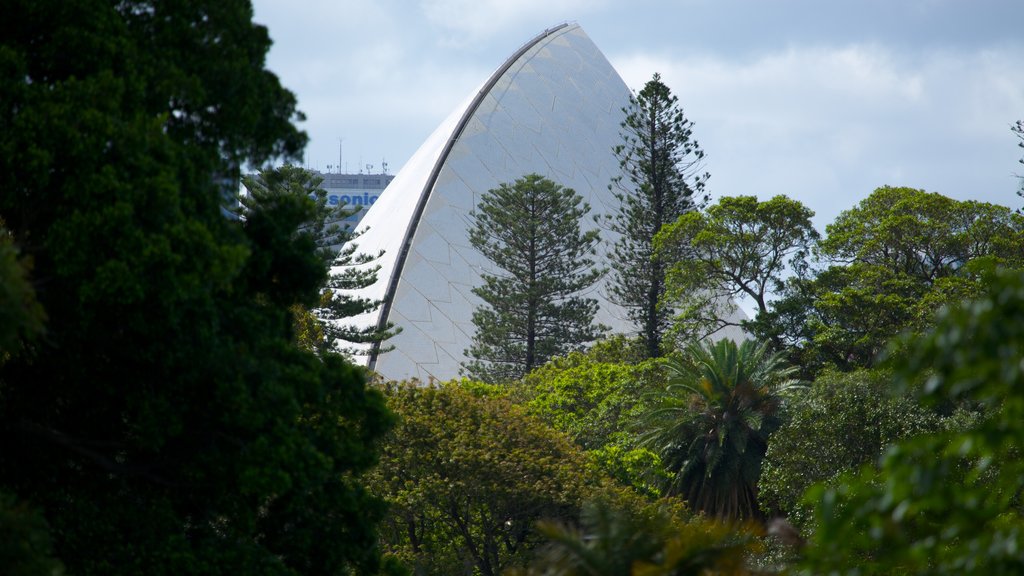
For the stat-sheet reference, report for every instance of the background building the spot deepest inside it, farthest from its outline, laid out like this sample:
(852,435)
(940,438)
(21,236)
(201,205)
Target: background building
(354,191)
(553,108)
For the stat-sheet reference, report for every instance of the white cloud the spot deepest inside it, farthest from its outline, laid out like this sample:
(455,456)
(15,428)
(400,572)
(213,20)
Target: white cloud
(468,21)
(821,122)
(867,117)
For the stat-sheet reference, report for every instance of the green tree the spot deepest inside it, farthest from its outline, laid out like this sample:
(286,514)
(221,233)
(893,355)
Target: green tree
(21,316)
(652,540)
(26,548)
(596,402)
(165,422)
(467,489)
(712,423)
(324,327)
(1018,131)
(533,308)
(895,259)
(739,248)
(844,421)
(947,502)
(661,162)
(25,544)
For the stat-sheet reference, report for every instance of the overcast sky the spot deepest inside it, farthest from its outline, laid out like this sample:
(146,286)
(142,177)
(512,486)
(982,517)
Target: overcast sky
(820,100)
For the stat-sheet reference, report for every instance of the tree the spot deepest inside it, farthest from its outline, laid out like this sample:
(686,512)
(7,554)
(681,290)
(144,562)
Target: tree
(163,421)
(652,540)
(26,548)
(712,424)
(21,316)
(533,308)
(466,490)
(739,248)
(661,161)
(896,258)
(844,421)
(595,402)
(1018,130)
(324,328)
(946,502)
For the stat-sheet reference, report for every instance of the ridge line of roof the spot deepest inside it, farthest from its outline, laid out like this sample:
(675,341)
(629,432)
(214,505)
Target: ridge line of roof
(421,204)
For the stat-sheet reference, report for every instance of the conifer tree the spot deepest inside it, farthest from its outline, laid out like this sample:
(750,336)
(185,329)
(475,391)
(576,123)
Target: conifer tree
(325,326)
(661,162)
(533,303)
(1018,131)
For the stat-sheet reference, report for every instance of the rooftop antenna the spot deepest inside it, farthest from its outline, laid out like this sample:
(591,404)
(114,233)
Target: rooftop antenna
(383,166)
(341,142)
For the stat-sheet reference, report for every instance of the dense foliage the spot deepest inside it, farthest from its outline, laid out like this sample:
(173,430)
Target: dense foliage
(661,161)
(894,260)
(739,248)
(844,421)
(596,402)
(326,326)
(949,502)
(467,489)
(533,307)
(21,316)
(712,423)
(653,540)
(158,415)
(26,548)
(163,421)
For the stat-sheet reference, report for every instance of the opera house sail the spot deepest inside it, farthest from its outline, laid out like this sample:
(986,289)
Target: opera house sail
(554,108)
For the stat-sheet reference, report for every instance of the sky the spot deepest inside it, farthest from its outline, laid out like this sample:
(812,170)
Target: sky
(819,100)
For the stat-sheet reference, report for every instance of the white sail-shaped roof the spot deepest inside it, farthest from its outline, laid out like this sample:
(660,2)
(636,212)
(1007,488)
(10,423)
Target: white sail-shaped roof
(554,108)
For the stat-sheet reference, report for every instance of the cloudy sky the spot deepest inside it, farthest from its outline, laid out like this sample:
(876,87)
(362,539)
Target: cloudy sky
(822,101)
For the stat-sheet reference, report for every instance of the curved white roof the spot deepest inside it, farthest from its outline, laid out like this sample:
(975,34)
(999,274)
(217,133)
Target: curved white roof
(554,108)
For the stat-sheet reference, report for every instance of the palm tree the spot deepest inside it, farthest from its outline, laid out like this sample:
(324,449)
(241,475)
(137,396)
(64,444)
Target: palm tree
(652,540)
(712,422)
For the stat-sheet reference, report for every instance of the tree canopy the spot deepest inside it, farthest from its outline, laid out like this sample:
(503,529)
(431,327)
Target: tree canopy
(163,421)
(948,502)
(653,540)
(534,307)
(738,248)
(711,425)
(467,489)
(844,421)
(897,257)
(326,326)
(661,161)
(596,402)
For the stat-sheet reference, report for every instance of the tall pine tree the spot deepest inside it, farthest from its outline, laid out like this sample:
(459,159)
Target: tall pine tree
(1018,130)
(325,327)
(661,162)
(533,305)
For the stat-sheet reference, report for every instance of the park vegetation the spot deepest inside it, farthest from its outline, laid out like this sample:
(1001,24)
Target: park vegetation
(170,404)
(661,162)
(541,264)
(812,447)
(326,326)
(156,413)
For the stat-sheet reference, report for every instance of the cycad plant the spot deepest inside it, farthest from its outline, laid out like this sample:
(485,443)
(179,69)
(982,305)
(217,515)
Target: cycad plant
(712,422)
